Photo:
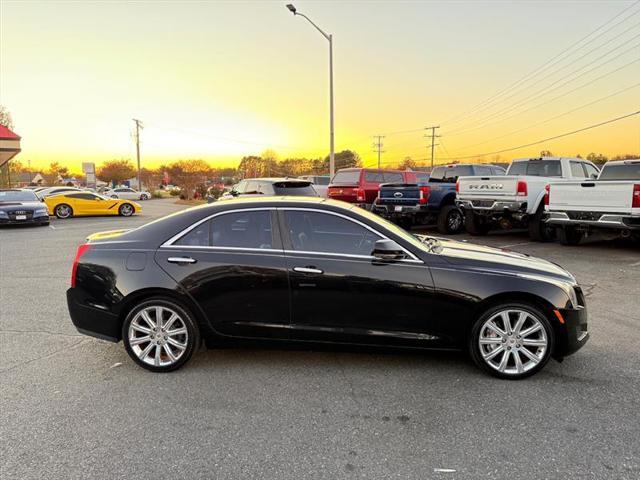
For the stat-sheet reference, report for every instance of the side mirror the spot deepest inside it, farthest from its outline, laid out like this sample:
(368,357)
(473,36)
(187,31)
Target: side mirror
(388,250)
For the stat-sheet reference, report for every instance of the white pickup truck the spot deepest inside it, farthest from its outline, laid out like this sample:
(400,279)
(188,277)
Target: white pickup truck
(612,202)
(517,199)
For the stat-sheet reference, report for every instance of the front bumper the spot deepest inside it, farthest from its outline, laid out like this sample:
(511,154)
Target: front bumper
(29,220)
(92,321)
(490,205)
(594,219)
(573,333)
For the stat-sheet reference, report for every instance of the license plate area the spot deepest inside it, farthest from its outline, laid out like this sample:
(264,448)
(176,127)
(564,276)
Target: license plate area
(21,217)
(397,208)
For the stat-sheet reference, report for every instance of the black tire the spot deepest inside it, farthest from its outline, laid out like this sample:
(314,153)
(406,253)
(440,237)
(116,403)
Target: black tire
(144,197)
(63,211)
(474,347)
(450,220)
(126,210)
(187,318)
(539,231)
(569,235)
(475,225)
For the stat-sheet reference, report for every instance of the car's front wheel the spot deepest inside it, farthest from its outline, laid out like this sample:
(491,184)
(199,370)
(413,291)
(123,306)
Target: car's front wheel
(512,341)
(126,210)
(160,335)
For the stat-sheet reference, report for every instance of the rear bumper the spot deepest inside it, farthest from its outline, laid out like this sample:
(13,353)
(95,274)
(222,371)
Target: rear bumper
(92,321)
(492,206)
(574,332)
(396,211)
(606,220)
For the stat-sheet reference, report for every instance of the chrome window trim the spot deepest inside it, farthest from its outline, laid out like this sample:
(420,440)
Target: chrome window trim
(232,249)
(413,258)
(182,233)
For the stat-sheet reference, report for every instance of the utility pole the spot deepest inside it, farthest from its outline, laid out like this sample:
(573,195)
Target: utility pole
(433,137)
(139,127)
(377,144)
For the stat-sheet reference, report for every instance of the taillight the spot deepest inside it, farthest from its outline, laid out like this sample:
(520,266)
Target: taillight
(521,189)
(424,195)
(82,249)
(635,203)
(360,196)
(457,186)
(547,193)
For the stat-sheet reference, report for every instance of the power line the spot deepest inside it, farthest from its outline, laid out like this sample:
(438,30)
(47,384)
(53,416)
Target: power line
(550,62)
(377,144)
(554,117)
(546,90)
(606,122)
(433,137)
(484,125)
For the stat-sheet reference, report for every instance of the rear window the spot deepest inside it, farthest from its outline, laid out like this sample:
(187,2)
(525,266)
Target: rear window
(303,189)
(422,177)
(629,171)
(450,174)
(389,177)
(537,168)
(349,176)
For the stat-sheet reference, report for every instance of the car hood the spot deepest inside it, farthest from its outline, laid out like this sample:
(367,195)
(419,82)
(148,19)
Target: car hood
(500,260)
(17,205)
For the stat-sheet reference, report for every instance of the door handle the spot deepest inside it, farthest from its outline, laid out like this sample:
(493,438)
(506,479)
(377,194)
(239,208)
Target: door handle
(181,260)
(307,270)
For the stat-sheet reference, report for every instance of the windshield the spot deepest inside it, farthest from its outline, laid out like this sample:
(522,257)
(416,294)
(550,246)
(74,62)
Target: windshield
(536,168)
(627,171)
(18,196)
(423,242)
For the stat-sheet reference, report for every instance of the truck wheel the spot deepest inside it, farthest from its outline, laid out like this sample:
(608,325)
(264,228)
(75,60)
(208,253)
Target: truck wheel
(450,220)
(539,231)
(569,235)
(474,224)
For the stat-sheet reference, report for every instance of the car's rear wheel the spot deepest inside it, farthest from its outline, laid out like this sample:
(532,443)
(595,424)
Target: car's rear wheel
(475,225)
(450,220)
(512,341)
(569,235)
(63,211)
(160,335)
(144,196)
(126,210)
(539,231)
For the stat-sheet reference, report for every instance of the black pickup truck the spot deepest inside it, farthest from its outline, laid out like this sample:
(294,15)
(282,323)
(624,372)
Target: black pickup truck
(431,199)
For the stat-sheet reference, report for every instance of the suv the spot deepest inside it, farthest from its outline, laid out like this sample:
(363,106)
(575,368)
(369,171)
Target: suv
(361,185)
(270,186)
(516,200)
(320,183)
(431,199)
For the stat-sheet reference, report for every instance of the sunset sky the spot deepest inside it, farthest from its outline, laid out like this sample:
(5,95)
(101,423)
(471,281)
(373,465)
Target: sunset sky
(221,79)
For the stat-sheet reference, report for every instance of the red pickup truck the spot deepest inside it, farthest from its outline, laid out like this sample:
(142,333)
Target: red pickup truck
(361,185)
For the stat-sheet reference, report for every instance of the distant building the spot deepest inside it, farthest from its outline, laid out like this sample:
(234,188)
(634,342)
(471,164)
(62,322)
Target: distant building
(24,179)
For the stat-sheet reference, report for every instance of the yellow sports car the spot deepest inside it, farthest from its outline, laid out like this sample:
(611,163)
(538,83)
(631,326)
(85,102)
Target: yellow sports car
(78,204)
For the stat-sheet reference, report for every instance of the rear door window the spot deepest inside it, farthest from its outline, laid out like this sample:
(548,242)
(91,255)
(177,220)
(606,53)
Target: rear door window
(326,233)
(349,176)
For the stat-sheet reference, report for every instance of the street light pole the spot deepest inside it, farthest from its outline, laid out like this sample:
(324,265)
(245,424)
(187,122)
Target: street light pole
(329,37)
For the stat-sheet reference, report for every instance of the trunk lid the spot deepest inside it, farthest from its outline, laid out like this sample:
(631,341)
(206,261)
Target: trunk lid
(399,194)
(494,186)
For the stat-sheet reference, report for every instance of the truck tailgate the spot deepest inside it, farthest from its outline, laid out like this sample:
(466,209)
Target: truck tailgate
(600,196)
(399,194)
(496,186)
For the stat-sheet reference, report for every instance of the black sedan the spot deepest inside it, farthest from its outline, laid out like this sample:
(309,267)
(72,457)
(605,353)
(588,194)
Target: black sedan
(314,270)
(22,206)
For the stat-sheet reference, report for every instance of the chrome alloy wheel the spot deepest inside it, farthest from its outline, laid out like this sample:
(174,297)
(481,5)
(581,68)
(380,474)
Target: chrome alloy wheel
(513,341)
(126,210)
(63,211)
(158,336)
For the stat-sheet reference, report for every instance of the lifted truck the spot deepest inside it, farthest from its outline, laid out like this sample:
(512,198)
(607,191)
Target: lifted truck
(431,199)
(517,199)
(611,203)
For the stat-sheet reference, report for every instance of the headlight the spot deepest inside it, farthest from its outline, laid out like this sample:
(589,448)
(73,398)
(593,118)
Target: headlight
(3,214)
(40,211)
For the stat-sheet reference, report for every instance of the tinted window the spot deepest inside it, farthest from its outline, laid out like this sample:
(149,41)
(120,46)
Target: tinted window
(422,177)
(537,168)
(198,237)
(374,177)
(592,172)
(17,196)
(321,180)
(251,229)
(82,196)
(497,171)
(323,232)
(482,171)
(629,171)
(450,174)
(577,170)
(389,177)
(294,188)
(348,176)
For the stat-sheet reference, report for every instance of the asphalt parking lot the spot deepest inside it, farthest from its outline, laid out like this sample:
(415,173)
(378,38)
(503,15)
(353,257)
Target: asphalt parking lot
(76,407)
